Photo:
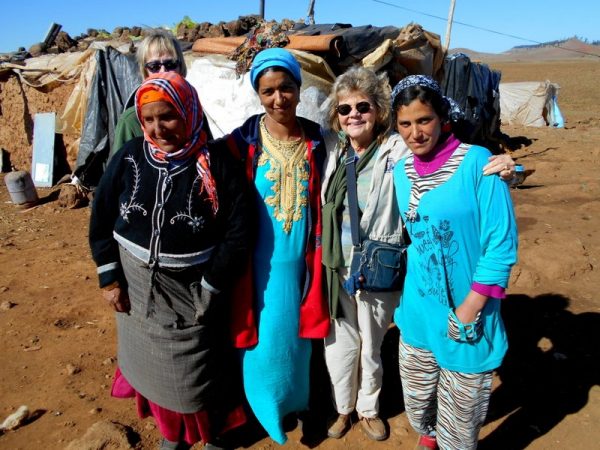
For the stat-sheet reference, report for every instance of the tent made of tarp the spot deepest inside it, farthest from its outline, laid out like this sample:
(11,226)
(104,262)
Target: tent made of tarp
(398,51)
(107,76)
(530,103)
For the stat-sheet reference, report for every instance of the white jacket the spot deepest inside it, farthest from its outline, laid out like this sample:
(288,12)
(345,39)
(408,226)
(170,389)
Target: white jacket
(381,219)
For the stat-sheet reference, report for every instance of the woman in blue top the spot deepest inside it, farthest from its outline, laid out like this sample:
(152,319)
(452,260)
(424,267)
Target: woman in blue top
(463,245)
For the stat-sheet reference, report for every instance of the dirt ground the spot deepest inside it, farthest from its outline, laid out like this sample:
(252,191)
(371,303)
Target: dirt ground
(58,336)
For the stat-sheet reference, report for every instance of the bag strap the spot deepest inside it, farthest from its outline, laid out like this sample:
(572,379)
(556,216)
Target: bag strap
(350,163)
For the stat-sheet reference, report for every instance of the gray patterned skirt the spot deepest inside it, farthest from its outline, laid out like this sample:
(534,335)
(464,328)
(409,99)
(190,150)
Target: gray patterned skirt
(171,345)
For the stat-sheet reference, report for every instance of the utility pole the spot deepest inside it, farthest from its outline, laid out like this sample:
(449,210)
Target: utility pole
(449,26)
(310,15)
(261,13)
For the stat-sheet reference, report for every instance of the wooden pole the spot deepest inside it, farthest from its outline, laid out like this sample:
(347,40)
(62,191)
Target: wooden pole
(449,26)
(261,13)
(310,15)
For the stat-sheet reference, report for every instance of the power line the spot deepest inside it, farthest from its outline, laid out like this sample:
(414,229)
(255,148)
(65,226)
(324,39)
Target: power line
(482,28)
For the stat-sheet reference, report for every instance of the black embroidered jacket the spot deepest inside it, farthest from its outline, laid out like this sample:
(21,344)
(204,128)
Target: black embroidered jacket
(154,209)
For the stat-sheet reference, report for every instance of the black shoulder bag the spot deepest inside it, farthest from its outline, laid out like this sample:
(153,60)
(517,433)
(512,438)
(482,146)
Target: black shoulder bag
(376,266)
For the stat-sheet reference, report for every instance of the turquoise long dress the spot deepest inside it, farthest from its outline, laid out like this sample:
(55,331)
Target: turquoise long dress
(276,370)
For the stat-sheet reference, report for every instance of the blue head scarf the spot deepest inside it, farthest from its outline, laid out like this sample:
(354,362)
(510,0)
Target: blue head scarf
(274,57)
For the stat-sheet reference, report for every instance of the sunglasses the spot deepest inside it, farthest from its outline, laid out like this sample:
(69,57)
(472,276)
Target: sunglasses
(345,109)
(168,64)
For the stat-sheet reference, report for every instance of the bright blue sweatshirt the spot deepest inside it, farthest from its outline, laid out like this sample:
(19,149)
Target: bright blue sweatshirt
(465,231)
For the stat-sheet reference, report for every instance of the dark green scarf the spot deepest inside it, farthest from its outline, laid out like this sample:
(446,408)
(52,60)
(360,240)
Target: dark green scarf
(333,207)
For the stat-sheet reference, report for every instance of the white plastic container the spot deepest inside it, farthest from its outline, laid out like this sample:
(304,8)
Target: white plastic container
(21,189)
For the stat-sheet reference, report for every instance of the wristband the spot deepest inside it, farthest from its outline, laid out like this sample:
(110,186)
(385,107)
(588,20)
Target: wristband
(464,332)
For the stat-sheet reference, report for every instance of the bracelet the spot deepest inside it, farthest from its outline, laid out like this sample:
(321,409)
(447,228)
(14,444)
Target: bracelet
(464,332)
(111,286)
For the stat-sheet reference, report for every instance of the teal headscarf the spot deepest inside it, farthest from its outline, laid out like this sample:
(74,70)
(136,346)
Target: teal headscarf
(274,57)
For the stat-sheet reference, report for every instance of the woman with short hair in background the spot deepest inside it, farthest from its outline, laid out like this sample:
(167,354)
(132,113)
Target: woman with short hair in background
(158,52)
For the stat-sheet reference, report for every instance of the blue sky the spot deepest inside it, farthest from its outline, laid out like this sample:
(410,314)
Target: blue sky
(24,23)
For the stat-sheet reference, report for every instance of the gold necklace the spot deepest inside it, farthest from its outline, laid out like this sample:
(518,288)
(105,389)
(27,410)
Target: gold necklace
(288,172)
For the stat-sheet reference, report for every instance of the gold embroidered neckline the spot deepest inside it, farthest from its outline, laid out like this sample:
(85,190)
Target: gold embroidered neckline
(288,172)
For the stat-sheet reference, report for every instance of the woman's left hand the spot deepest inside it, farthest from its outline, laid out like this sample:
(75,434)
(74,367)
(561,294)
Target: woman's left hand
(117,298)
(503,165)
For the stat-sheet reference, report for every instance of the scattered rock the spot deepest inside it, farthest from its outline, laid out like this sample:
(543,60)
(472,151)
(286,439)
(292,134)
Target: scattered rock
(125,34)
(61,323)
(64,42)
(37,49)
(72,196)
(58,245)
(108,361)
(545,344)
(6,305)
(16,419)
(4,288)
(95,410)
(117,32)
(103,435)
(72,369)
(216,30)
(33,348)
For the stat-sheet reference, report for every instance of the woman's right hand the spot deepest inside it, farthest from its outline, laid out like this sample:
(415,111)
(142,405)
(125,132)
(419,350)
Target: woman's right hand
(117,298)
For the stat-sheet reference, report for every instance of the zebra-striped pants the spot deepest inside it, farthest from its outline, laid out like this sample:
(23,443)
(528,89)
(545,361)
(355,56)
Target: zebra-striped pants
(451,405)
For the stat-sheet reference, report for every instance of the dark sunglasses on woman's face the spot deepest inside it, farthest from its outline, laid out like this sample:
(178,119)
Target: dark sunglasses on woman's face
(345,109)
(168,64)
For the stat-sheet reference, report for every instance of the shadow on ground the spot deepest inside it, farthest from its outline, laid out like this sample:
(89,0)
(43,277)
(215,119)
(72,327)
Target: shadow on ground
(552,362)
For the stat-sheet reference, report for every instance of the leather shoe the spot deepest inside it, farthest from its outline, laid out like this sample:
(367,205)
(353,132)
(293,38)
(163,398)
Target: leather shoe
(374,428)
(339,427)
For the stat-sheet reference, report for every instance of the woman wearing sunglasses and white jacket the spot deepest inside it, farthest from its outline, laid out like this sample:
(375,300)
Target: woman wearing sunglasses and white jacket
(360,114)
(158,52)
(360,117)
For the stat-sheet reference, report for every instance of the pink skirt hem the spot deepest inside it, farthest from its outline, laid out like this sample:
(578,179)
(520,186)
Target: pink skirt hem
(175,426)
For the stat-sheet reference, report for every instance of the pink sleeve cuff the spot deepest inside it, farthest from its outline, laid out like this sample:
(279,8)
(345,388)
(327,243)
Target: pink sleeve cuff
(493,291)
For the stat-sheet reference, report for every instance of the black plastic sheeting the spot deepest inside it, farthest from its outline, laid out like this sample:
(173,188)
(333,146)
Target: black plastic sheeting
(117,76)
(476,88)
(358,42)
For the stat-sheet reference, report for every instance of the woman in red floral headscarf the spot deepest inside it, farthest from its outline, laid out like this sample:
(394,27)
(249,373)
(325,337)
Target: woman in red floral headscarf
(167,232)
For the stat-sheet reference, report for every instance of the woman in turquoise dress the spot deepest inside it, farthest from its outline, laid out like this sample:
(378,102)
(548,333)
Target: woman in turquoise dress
(280,304)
